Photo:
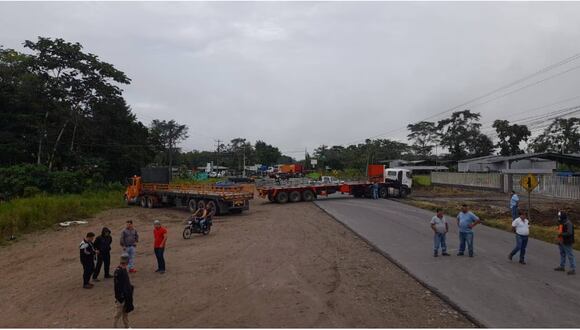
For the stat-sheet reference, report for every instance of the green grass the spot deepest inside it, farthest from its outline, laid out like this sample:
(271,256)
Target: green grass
(24,215)
(544,233)
(422,180)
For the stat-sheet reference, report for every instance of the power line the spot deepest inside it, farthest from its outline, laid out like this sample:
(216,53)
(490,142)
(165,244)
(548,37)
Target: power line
(506,86)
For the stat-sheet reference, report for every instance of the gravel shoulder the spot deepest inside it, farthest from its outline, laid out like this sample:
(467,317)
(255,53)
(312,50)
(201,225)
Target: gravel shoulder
(275,266)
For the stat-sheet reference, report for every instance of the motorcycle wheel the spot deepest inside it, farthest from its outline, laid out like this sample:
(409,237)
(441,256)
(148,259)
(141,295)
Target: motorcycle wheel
(206,231)
(187,233)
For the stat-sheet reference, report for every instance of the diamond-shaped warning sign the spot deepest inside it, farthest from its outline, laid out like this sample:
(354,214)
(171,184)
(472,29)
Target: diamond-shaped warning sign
(529,182)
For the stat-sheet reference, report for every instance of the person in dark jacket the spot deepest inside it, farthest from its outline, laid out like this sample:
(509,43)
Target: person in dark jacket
(566,243)
(87,253)
(123,293)
(103,249)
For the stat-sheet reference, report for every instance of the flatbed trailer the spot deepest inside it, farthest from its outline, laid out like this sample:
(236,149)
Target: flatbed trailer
(391,182)
(221,200)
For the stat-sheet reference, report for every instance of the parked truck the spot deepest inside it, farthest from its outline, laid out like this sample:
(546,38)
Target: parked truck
(153,189)
(391,182)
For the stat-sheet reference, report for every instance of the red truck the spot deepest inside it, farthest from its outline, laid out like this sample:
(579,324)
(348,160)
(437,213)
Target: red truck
(391,181)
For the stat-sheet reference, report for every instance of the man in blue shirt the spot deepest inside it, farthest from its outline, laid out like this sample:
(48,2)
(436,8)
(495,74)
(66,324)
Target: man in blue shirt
(466,220)
(514,204)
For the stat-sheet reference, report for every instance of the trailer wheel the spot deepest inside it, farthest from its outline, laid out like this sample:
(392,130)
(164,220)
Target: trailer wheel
(213,209)
(308,196)
(192,205)
(201,204)
(150,202)
(271,198)
(282,197)
(383,192)
(294,196)
(143,201)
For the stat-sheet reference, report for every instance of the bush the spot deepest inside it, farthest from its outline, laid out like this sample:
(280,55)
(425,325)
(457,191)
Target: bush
(31,191)
(24,215)
(422,180)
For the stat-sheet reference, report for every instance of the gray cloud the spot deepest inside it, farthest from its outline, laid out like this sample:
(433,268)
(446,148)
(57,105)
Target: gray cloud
(302,74)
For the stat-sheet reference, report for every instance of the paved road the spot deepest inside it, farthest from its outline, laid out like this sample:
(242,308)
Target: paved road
(490,288)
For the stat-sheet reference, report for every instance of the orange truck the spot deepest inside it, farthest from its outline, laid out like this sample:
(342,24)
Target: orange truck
(220,200)
(391,181)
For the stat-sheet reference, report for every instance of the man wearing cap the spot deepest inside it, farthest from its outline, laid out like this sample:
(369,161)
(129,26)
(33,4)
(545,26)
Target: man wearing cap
(521,226)
(160,238)
(566,243)
(466,221)
(123,293)
(514,204)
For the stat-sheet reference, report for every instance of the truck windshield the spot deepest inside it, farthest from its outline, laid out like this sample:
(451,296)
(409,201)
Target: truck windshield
(391,173)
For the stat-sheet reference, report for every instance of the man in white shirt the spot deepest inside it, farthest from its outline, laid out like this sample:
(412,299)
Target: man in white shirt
(521,226)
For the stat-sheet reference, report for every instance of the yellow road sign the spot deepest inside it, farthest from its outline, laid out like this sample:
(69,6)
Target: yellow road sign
(529,182)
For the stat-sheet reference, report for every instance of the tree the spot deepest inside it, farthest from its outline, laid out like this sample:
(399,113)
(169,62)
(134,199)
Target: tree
(74,81)
(481,145)
(460,134)
(166,135)
(562,135)
(510,137)
(266,154)
(424,136)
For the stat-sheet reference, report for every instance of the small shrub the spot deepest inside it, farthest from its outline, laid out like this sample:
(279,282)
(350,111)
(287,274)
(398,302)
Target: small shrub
(31,191)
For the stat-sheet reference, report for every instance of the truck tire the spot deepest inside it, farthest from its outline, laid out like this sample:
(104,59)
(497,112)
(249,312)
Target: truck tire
(308,196)
(212,205)
(294,196)
(383,192)
(192,205)
(282,197)
(402,192)
(150,202)
(271,198)
(143,201)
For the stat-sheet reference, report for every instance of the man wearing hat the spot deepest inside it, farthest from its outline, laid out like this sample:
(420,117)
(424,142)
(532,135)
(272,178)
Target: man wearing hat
(566,243)
(160,238)
(123,293)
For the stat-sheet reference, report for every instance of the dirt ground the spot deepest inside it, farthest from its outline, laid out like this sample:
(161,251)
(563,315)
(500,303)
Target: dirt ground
(275,266)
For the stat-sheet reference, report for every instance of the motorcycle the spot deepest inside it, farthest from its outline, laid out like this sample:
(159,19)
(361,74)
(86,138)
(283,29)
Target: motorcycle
(197,225)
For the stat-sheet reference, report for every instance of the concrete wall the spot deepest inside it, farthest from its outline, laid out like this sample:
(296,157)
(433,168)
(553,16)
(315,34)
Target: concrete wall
(492,181)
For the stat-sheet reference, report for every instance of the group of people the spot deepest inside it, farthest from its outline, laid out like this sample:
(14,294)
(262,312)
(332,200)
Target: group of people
(99,248)
(467,220)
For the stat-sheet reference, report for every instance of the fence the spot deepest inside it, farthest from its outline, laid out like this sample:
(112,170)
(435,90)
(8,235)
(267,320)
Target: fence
(475,180)
(549,185)
(552,185)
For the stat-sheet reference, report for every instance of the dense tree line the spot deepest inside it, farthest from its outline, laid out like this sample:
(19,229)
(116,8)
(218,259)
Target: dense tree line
(62,108)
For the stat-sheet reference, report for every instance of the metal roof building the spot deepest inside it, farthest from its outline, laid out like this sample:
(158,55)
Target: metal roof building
(525,163)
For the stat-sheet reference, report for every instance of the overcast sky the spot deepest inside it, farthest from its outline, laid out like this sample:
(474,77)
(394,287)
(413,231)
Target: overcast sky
(302,74)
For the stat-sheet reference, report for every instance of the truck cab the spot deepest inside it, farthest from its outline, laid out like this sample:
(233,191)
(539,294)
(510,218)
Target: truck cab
(402,178)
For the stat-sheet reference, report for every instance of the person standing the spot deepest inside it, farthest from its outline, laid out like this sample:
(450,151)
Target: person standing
(375,190)
(466,220)
(160,238)
(87,253)
(129,240)
(514,205)
(103,249)
(566,243)
(521,226)
(123,293)
(440,228)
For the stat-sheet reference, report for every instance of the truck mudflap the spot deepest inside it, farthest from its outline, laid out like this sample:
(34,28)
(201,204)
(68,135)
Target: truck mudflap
(234,206)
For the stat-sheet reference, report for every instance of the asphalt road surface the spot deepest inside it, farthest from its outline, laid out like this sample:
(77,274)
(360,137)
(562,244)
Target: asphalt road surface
(490,288)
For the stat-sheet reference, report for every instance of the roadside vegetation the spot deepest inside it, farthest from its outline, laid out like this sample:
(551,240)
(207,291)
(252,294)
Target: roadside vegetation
(24,215)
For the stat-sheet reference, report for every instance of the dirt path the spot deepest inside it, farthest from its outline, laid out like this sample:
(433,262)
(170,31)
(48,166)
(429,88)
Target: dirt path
(276,266)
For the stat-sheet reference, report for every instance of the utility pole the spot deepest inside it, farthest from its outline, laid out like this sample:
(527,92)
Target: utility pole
(217,160)
(244,170)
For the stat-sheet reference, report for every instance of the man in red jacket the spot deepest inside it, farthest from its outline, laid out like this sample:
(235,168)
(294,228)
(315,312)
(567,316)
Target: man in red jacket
(160,238)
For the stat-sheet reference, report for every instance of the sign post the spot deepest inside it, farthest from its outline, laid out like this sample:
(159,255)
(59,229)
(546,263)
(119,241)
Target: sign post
(529,183)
